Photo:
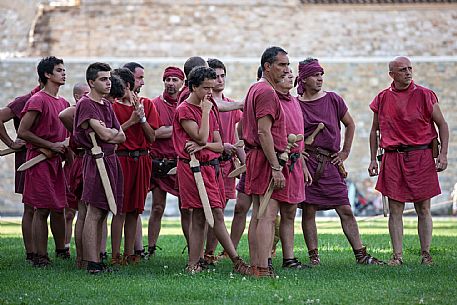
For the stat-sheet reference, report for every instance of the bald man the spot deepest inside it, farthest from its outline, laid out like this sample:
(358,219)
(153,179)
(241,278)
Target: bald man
(405,115)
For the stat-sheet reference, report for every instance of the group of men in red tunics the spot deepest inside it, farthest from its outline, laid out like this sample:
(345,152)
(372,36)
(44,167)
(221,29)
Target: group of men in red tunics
(292,144)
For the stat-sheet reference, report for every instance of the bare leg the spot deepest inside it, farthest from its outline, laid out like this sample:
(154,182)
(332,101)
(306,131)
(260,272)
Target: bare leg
(252,237)
(265,233)
(57,221)
(211,239)
(27,225)
(425,224)
(91,239)
(139,235)
(159,199)
(79,227)
(186,222)
(221,233)
(104,235)
(286,229)
(196,236)
(349,225)
(101,233)
(69,216)
(396,225)
(130,226)
(40,231)
(308,225)
(243,203)
(116,234)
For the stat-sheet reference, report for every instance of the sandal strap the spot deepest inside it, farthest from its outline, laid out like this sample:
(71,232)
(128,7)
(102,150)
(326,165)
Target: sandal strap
(293,263)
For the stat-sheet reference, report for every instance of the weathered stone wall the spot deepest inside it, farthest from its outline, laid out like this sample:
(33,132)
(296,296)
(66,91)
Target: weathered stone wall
(358,82)
(157,28)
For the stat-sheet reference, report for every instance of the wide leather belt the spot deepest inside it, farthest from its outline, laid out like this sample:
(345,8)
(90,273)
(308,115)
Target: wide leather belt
(135,154)
(322,156)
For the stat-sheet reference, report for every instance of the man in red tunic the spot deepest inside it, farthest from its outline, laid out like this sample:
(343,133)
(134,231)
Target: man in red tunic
(405,114)
(13,112)
(229,120)
(265,135)
(44,187)
(164,157)
(138,119)
(328,189)
(95,114)
(196,131)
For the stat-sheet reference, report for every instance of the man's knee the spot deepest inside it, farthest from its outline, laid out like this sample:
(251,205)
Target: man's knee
(42,213)
(288,212)
(218,215)
(241,208)
(423,211)
(158,209)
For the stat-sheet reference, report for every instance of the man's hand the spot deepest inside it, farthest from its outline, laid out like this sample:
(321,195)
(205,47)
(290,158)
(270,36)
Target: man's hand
(18,144)
(307,175)
(339,157)
(373,168)
(305,155)
(191,147)
(279,181)
(206,104)
(441,162)
(58,147)
(229,149)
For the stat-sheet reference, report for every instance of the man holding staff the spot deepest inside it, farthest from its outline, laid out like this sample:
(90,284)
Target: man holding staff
(405,114)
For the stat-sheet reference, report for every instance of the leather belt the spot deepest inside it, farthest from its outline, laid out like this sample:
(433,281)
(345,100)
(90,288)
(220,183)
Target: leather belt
(322,156)
(214,163)
(135,154)
(407,148)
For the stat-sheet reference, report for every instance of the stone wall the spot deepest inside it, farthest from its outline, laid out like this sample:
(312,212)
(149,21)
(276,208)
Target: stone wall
(357,82)
(158,28)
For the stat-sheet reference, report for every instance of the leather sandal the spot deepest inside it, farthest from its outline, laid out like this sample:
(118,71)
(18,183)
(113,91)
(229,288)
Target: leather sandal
(363,258)
(239,266)
(314,258)
(396,260)
(426,258)
(293,263)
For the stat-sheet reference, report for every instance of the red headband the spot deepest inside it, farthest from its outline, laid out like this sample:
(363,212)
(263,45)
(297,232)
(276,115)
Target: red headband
(173,72)
(306,70)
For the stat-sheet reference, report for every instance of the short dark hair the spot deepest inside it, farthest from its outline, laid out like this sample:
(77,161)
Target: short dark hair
(46,65)
(259,72)
(93,69)
(216,64)
(269,56)
(127,76)
(192,62)
(198,76)
(117,87)
(132,66)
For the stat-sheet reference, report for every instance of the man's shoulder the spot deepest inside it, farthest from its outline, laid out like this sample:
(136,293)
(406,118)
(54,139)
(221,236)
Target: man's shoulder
(423,89)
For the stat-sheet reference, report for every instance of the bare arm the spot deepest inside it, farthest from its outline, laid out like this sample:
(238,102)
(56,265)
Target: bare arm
(5,115)
(24,133)
(443,130)
(199,135)
(67,117)
(164,132)
(224,106)
(373,168)
(109,135)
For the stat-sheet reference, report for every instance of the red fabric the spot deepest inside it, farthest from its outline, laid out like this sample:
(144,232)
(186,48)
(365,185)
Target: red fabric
(305,71)
(93,192)
(261,101)
(16,106)
(74,177)
(44,185)
(228,121)
(136,172)
(173,72)
(163,148)
(405,118)
(187,187)
(183,94)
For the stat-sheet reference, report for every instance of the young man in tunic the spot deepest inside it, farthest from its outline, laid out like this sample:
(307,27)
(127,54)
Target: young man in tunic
(265,135)
(44,187)
(138,119)
(196,131)
(325,160)
(229,120)
(164,157)
(405,115)
(95,114)
(13,112)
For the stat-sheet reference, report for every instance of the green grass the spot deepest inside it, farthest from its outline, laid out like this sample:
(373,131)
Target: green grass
(161,280)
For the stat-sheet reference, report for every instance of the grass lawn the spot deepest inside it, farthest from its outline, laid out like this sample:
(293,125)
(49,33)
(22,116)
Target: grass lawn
(161,280)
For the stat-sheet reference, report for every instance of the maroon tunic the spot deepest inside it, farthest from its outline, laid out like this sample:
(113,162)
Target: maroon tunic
(93,192)
(136,171)
(405,118)
(261,101)
(187,187)
(44,186)
(330,190)
(20,157)
(163,148)
(229,120)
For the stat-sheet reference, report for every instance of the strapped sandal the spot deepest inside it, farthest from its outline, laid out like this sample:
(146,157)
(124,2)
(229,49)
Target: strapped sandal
(239,266)
(41,260)
(396,260)
(29,257)
(117,260)
(63,253)
(363,258)
(94,268)
(132,259)
(293,263)
(263,272)
(210,259)
(426,258)
(314,258)
(152,250)
(103,256)
(193,269)
(222,255)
